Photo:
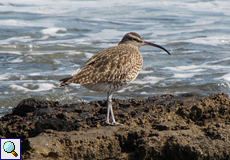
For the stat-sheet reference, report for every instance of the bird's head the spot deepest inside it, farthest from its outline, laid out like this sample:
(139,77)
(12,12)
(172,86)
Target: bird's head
(135,39)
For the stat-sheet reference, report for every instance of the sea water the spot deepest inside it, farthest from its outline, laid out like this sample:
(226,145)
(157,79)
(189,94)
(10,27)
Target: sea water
(44,41)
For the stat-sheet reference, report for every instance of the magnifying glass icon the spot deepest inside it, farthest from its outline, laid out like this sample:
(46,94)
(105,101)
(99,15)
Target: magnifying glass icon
(9,147)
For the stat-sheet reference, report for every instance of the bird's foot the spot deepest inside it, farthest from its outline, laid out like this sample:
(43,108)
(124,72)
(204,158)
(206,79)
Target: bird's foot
(113,123)
(117,124)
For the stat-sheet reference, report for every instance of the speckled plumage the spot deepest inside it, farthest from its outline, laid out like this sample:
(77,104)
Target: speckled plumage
(112,69)
(115,67)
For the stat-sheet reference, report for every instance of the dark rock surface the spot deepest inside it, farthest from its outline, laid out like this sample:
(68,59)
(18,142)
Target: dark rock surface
(165,127)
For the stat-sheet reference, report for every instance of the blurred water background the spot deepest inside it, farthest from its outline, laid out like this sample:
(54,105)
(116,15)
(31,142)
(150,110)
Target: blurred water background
(46,40)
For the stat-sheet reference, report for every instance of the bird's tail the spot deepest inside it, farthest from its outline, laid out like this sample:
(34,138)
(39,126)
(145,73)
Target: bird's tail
(65,81)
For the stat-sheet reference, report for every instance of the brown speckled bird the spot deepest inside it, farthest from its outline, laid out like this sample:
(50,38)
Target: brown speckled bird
(112,69)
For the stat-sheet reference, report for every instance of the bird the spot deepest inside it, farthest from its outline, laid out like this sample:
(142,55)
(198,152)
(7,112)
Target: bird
(112,69)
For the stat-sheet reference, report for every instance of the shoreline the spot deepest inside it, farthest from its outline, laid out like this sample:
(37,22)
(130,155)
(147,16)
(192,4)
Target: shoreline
(186,126)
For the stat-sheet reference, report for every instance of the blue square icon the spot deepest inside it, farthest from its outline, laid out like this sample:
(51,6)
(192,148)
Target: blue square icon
(10,148)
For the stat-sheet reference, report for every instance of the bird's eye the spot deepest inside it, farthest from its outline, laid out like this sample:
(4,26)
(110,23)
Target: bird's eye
(134,39)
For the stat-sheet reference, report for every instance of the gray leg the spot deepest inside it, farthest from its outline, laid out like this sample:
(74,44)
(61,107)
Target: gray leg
(110,109)
(109,104)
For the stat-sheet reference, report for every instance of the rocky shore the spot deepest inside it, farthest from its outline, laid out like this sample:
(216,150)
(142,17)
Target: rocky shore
(165,127)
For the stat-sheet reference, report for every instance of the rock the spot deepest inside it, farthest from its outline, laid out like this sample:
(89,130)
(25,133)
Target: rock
(188,126)
(30,105)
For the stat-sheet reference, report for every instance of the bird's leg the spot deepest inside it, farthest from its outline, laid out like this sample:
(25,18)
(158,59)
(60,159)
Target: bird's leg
(109,105)
(113,119)
(110,110)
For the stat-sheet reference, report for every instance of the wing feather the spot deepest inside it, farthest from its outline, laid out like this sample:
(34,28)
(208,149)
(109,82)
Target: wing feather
(117,64)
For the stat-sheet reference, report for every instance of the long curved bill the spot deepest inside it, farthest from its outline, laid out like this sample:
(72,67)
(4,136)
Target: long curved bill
(155,45)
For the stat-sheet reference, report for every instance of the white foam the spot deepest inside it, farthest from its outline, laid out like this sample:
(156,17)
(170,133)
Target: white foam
(189,71)
(103,36)
(225,77)
(13,39)
(64,41)
(4,76)
(47,7)
(40,87)
(17,60)
(145,72)
(52,31)
(51,53)
(88,55)
(183,75)
(18,23)
(72,52)
(83,40)
(148,79)
(113,34)
(219,60)
(34,74)
(211,40)
(183,68)
(125,88)
(196,68)
(67,45)
(17,87)
(11,52)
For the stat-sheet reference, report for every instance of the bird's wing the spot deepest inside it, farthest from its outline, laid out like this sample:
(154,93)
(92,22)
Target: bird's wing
(114,64)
